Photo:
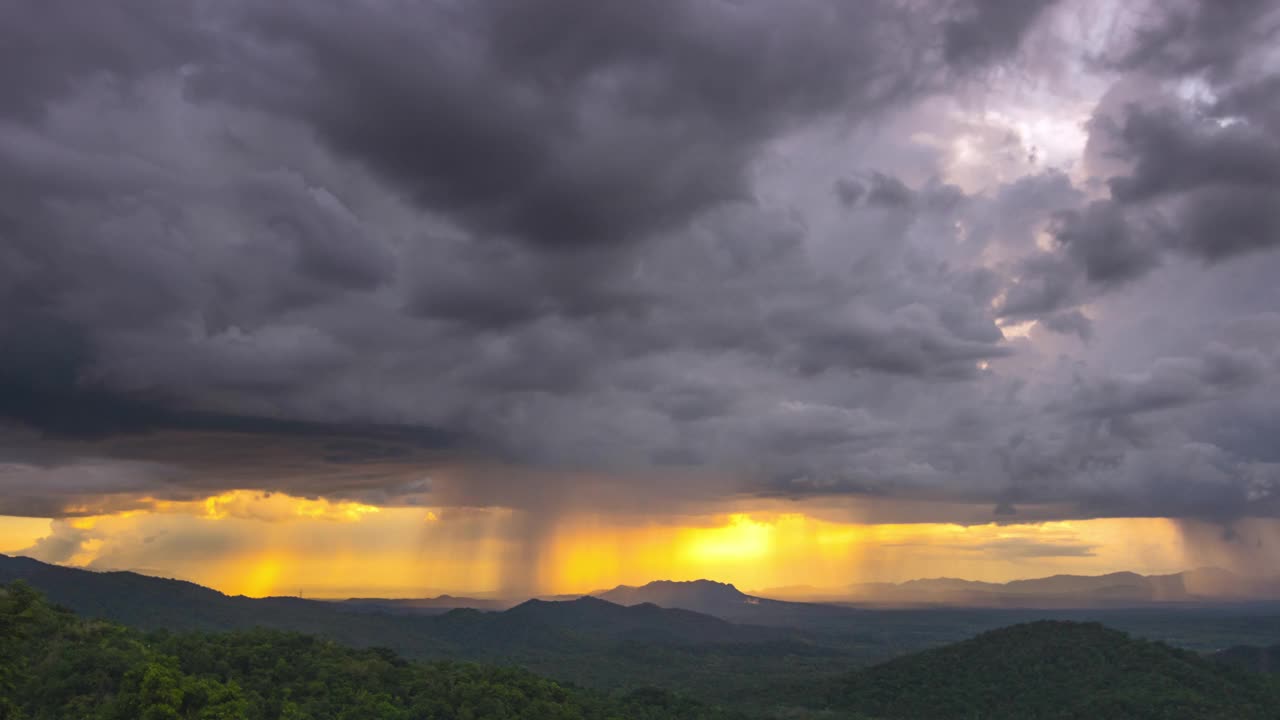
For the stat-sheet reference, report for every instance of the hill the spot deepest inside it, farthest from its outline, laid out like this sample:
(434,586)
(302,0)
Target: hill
(644,621)
(56,665)
(724,601)
(1052,669)
(697,595)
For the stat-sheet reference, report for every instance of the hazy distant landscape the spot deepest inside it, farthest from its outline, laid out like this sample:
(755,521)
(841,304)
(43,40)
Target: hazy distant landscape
(1193,586)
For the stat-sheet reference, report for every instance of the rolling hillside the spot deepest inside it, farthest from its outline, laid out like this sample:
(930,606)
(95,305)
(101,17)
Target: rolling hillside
(57,665)
(1119,589)
(724,601)
(1054,669)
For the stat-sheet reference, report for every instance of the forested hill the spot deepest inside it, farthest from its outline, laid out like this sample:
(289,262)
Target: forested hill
(1052,669)
(1251,657)
(55,666)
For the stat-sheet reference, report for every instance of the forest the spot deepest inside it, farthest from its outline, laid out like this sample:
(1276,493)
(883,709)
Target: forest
(56,665)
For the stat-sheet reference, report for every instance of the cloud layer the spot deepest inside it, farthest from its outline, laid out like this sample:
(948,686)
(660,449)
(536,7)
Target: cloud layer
(574,253)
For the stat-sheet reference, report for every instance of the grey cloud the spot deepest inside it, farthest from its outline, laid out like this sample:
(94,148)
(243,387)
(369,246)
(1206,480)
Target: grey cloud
(849,191)
(888,191)
(1198,186)
(1004,509)
(1199,36)
(631,124)
(989,28)
(122,41)
(1069,322)
(1104,243)
(1219,183)
(1044,283)
(1172,382)
(1217,223)
(911,340)
(1173,152)
(584,252)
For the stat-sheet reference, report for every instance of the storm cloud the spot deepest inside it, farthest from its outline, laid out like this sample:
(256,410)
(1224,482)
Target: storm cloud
(635,256)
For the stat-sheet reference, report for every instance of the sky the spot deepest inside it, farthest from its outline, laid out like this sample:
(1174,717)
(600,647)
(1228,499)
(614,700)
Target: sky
(397,298)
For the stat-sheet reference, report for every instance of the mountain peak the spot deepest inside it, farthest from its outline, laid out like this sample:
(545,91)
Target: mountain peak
(675,593)
(701,584)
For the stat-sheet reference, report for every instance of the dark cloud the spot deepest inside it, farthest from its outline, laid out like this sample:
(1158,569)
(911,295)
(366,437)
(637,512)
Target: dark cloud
(632,123)
(620,256)
(1069,322)
(1043,284)
(989,28)
(1170,383)
(849,191)
(1202,182)
(888,191)
(50,49)
(1104,244)
(1193,36)
(1172,154)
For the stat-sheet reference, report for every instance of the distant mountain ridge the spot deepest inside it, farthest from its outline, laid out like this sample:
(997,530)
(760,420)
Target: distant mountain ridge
(721,600)
(677,593)
(154,603)
(421,606)
(1119,588)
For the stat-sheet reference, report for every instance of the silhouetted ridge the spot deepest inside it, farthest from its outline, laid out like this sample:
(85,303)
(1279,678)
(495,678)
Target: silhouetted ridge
(1118,589)
(646,622)
(722,600)
(1054,669)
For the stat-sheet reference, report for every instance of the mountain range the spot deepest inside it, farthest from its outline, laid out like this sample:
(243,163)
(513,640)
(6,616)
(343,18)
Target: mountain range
(800,604)
(1057,591)
(154,603)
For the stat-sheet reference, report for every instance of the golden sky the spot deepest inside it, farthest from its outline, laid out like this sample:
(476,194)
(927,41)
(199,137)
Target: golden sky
(257,544)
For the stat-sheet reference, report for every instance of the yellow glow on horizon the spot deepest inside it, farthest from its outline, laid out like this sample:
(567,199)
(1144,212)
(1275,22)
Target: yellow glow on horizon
(762,550)
(261,544)
(259,580)
(17,533)
(741,539)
